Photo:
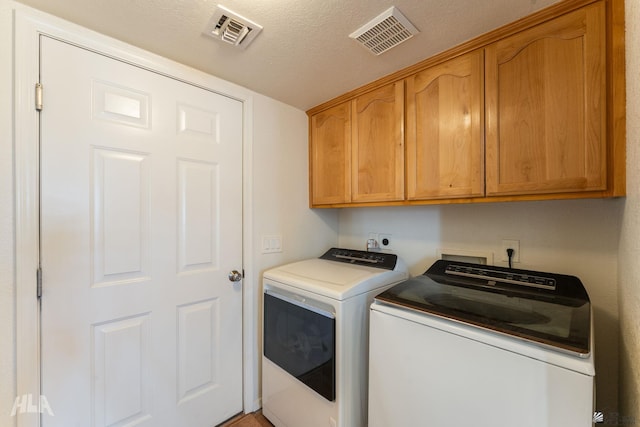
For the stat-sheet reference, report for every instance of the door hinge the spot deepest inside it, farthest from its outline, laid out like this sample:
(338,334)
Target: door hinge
(39,96)
(39,282)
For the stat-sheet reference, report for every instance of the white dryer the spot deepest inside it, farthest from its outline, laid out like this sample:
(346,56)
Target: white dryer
(315,336)
(474,345)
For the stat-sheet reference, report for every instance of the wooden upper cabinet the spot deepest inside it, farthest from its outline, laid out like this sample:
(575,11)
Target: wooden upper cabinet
(445,130)
(534,110)
(546,107)
(377,133)
(330,155)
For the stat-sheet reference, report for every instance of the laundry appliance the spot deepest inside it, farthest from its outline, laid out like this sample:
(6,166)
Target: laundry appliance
(483,346)
(315,336)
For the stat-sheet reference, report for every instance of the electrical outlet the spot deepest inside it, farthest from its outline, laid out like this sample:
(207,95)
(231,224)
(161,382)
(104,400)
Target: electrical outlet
(511,244)
(384,241)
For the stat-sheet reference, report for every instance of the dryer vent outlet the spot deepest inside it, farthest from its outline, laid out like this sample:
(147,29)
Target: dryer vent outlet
(385,31)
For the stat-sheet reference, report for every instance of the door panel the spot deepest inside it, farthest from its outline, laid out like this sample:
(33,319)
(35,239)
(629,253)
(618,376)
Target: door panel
(546,107)
(330,155)
(120,196)
(198,347)
(377,151)
(141,221)
(445,156)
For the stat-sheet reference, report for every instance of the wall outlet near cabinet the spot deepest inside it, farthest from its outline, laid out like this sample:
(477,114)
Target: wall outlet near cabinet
(384,240)
(511,244)
(379,242)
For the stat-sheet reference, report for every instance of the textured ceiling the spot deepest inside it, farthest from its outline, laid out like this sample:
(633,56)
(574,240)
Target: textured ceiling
(303,56)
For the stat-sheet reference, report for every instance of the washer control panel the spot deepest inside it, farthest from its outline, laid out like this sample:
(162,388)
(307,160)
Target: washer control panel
(515,278)
(353,256)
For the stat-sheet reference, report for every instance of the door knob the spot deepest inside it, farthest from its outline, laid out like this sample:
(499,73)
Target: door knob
(235,276)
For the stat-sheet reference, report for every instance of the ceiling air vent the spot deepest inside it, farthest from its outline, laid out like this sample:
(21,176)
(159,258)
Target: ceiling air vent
(232,28)
(387,30)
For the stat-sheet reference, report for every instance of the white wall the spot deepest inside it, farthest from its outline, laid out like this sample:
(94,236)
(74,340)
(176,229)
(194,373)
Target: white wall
(629,257)
(280,187)
(578,237)
(7,303)
(280,194)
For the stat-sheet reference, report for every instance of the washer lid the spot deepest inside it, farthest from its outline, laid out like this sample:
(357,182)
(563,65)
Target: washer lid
(549,309)
(491,338)
(335,279)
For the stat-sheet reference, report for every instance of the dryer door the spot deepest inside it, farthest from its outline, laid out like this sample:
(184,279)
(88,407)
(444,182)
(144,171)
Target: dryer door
(300,339)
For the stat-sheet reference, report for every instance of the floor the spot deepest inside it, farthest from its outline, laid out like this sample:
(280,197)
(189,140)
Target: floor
(255,419)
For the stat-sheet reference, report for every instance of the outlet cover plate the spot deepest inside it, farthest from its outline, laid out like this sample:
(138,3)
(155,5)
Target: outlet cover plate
(382,238)
(513,244)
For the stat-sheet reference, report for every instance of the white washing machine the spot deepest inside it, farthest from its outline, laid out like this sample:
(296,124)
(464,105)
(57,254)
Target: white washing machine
(315,336)
(471,345)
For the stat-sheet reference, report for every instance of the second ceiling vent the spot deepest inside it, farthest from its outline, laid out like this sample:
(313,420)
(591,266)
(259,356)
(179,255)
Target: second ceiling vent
(385,31)
(231,28)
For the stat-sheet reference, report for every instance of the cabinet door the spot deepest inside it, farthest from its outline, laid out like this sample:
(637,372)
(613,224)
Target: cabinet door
(445,156)
(378,145)
(545,117)
(330,156)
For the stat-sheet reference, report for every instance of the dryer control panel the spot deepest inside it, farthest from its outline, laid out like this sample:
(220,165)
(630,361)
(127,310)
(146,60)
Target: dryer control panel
(354,256)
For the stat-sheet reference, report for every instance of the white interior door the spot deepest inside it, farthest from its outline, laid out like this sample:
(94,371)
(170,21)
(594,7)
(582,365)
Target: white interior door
(141,222)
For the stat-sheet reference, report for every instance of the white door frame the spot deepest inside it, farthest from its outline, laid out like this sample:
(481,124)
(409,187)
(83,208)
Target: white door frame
(29,24)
